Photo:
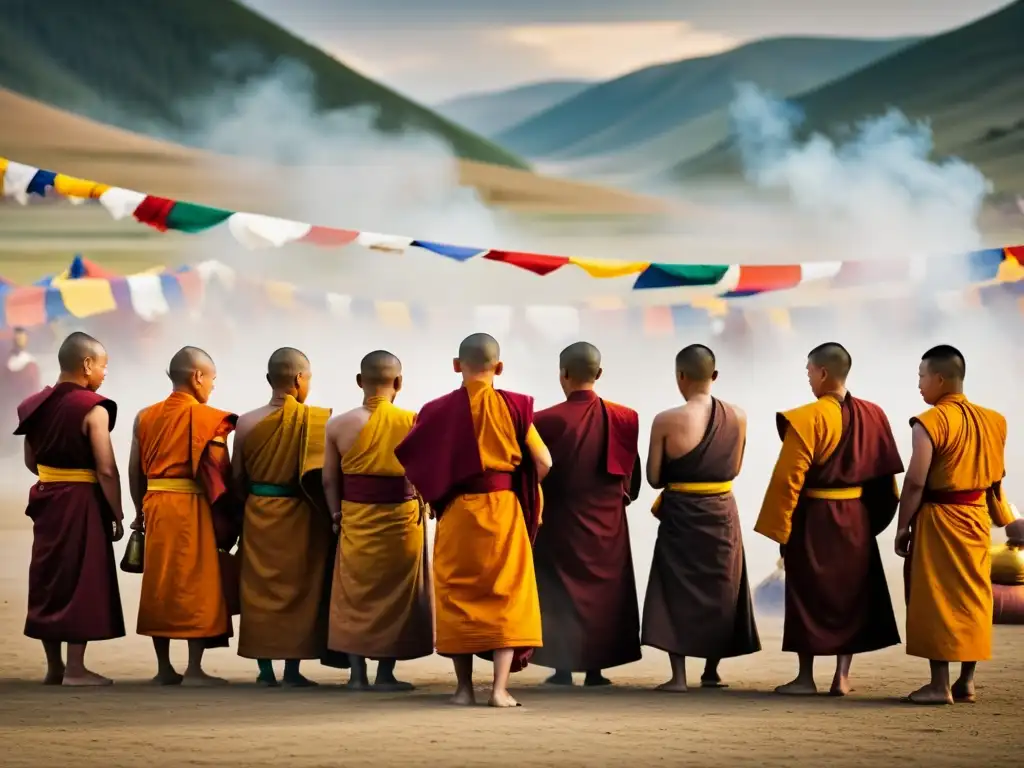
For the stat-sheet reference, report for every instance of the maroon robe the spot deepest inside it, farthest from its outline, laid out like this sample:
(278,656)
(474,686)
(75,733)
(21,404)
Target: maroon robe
(837,598)
(698,596)
(441,458)
(583,558)
(73,596)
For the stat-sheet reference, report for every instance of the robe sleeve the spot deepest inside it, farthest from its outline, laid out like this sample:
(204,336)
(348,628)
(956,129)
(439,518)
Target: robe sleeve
(631,486)
(882,499)
(214,476)
(776,517)
(533,439)
(999,508)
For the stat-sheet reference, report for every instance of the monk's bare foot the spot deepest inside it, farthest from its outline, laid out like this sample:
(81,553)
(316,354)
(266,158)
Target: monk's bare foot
(86,679)
(596,680)
(54,676)
(712,681)
(840,687)
(167,677)
(929,695)
(963,692)
(391,685)
(560,678)
(673,686)
(267,681)
(798,687)
(200,679)
(299,681)
(357,684)
(502,700)
(464,697)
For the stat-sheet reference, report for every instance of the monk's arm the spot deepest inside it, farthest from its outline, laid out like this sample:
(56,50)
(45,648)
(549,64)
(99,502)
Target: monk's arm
(332,472)
(634,481)
(776,518)
(97,426)
(656,452)
(915,478)
(238,476)
(539,451)
(30,459)
(136,477)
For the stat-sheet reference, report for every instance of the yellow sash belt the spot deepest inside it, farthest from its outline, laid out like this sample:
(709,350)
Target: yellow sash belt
(58,475)
(174,485)
(697,489)
(834,494)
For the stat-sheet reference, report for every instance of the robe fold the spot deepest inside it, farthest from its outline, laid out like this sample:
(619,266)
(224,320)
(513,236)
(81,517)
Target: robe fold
(286,536)
(189,515)
(73,595)
(468,456)
(381,602)
(833,491)
(583,560)
(949,579)
(698,596)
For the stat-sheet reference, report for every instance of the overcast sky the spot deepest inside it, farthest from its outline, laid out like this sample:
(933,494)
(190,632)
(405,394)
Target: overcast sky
(435,49)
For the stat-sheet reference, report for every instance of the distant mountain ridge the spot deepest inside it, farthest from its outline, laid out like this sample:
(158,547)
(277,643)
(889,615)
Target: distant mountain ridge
(133,64)
(491,112)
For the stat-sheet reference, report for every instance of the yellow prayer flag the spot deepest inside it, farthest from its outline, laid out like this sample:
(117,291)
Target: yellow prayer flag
(280,294)
(69,186)
(609,267)
(779,317)
(87,296)
(1010,271)
(3,170)
(393,314)
(713,305)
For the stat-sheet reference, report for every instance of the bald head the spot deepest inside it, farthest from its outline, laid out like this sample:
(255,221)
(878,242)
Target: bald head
(284,367)
(380,368)
(186,362)
(580,362)
(76,349)
(947,362)
(833,359)
(479,353)
(696,362)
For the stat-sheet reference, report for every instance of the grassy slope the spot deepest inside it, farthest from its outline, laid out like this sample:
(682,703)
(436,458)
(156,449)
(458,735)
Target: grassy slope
(492,112)
(642,105)
(969,83)
(133,62)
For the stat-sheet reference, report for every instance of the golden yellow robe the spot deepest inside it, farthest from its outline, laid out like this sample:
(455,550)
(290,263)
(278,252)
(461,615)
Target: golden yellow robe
(949,611)
(381,597)
(286,539)
(484,583)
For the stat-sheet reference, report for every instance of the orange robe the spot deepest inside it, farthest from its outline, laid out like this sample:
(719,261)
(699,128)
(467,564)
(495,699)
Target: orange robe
(184,441)
(381,597)
(949,611)
(286,536)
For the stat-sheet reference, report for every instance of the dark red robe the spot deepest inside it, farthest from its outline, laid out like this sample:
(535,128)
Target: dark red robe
(837,598)
(441,458)
(73,594)
(583,558)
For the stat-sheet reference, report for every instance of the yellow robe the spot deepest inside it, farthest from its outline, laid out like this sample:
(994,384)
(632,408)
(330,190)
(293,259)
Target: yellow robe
(484,583)
(381,598)
(286,540)
(949,612)
(810,435)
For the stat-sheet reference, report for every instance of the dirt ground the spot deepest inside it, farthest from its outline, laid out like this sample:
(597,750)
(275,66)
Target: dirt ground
(134,724)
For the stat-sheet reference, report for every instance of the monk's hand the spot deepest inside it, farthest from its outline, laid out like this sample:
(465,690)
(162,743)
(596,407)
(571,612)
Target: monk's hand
(1015,533)
(139,523)
(118,532)
(336,523)
(902,544)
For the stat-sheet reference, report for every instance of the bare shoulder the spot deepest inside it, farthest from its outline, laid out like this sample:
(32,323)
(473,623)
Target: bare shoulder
(675,417)
(739,412)
(344,420)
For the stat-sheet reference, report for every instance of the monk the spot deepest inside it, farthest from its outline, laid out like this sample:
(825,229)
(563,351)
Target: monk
(278,460)
(381,598)
(952,495)
(832,492)
(476,457)
(698,596)
(583,559)
(180,481)
(75,510)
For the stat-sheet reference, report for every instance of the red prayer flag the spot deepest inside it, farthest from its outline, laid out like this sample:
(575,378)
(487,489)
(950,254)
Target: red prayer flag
(537,263)
(154,212)
(329,236)
(768,278)
(26,307)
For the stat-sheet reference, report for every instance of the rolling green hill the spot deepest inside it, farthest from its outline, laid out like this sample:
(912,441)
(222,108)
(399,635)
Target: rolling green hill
(968,83)
(133,63)
(492,112)
(626,112)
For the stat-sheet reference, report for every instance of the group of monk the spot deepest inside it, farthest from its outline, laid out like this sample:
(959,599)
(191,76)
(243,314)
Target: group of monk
(531,558)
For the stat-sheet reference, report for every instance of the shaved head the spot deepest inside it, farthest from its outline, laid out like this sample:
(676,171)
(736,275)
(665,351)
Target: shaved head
(380,368)
(696,362)
(187,361)
(833,358)
(479,353)
(75,349)
(947,362)
(581,362)
(284,365)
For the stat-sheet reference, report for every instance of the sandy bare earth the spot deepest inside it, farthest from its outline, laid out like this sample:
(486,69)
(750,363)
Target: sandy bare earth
(134,724)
